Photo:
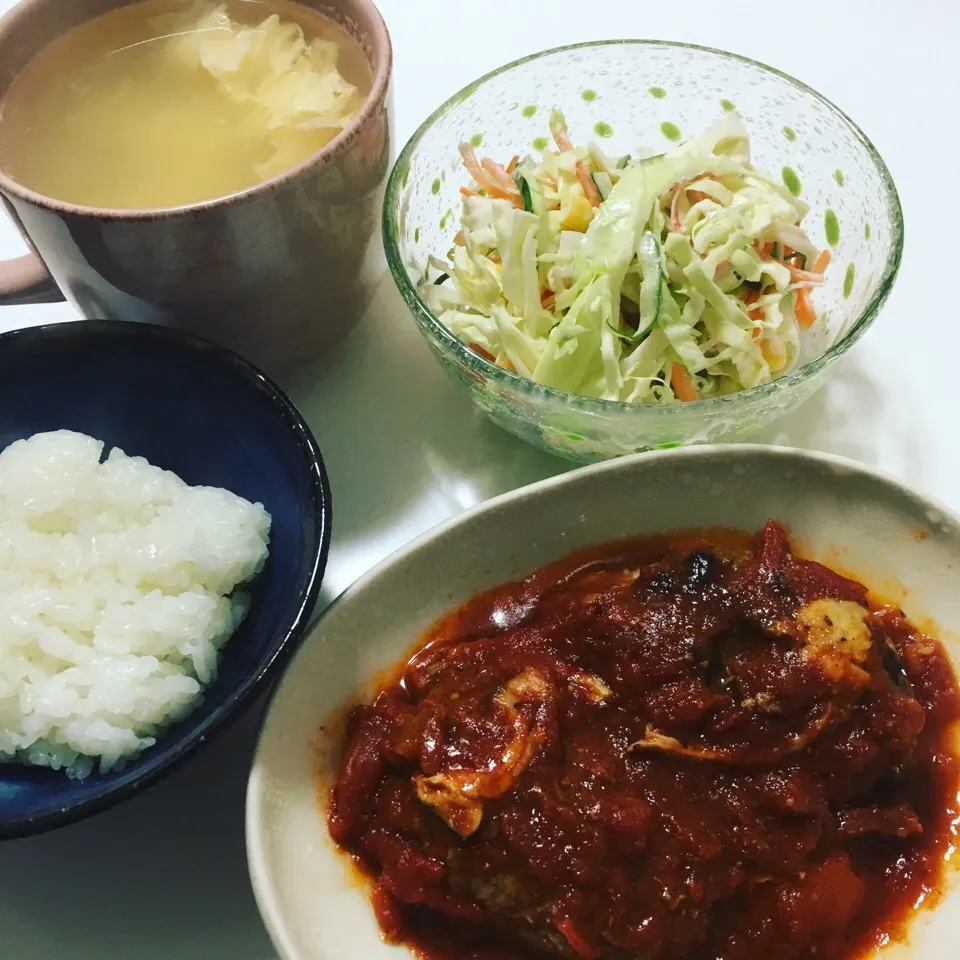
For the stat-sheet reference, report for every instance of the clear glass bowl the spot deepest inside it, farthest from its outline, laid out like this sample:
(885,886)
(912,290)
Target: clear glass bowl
(626,94)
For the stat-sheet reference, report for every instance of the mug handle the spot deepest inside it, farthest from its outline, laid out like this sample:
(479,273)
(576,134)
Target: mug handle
(25,280)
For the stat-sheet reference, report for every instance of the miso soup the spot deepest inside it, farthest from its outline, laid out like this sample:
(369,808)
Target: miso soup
(164,102)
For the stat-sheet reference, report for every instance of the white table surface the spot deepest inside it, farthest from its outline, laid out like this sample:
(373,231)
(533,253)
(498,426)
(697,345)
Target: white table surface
(164,875)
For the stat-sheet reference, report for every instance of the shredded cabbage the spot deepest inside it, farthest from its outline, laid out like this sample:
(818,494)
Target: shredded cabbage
(273,67)
(673,277)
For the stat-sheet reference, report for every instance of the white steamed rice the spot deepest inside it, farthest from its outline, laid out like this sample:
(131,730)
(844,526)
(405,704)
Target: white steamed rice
(117,585)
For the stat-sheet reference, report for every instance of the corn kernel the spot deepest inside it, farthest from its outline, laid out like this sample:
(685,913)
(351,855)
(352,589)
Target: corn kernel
(776,358)
(576,210)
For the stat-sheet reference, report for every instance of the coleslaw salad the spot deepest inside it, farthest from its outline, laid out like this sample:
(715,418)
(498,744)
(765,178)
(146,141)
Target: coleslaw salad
(655,278)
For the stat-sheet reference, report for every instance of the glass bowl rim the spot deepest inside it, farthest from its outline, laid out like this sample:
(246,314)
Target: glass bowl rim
(492,371)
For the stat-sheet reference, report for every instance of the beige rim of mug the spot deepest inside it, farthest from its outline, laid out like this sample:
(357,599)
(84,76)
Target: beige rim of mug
(378,42)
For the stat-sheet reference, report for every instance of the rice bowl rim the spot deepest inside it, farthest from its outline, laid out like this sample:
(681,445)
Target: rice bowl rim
(154,763)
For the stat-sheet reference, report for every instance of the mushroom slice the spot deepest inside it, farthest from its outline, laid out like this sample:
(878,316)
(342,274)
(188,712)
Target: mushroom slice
(595,689)
(457,796)
(836,638)
(659,742)
(448,795)
(524,687)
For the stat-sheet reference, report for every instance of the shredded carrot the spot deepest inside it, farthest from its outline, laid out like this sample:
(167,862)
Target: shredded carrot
(498,174)
(580,946)
(472,164)
(796,274)
(822,262)
(804,276)
(682,383)
(806,314)
(514,198)
(752,296)
(508,365)
(788,252)
(467,192)
(460,239)
(485,180)
(757,334)
(547,299)
(498,193)
(563,141)
(675,204)
(476,348)
(512,165)
(695,196)
(589,187)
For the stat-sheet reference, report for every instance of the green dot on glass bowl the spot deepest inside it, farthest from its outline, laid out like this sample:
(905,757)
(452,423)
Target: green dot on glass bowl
(541,144)
(671,131)
(588,96)
(831,226)
(866,231)
(657,92)
(435,186)
(790,133)
(416,235)
(791,181)
(445,219)
(848,279)
(728,105)
(602,129)
(529,110)
(476,140)
(839,177)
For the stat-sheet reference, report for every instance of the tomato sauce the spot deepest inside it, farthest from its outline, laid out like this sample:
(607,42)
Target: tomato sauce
(699,746)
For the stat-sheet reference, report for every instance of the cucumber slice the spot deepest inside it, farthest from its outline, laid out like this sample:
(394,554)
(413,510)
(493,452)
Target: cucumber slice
(603,184)
(530,192)
(604,163)
(525,193)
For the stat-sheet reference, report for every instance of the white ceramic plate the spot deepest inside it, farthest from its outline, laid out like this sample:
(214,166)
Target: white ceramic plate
(901,544)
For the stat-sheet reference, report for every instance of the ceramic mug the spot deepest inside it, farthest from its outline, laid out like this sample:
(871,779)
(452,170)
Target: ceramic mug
(278,272)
